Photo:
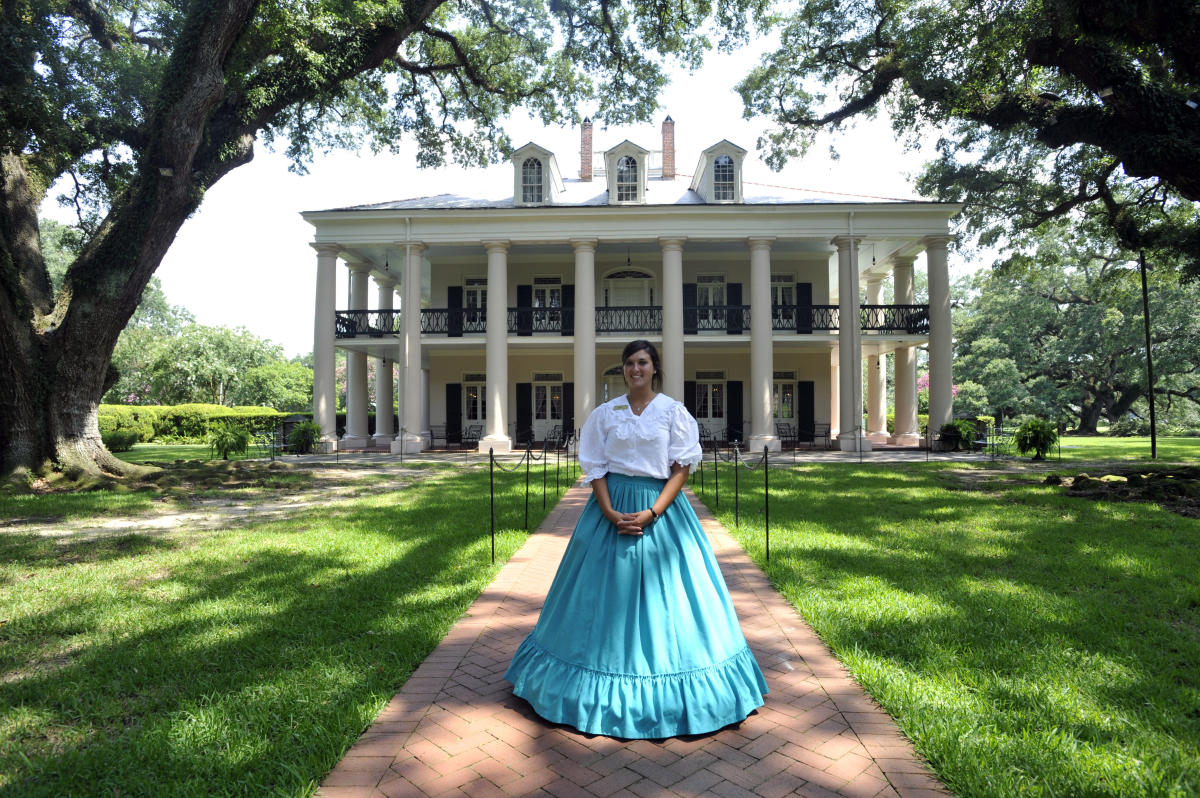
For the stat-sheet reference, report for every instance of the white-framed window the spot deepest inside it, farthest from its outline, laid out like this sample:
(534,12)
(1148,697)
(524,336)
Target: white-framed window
(710,302)
(531,181)
(627,179)
(724,180)
(547,299)
(612,383)
(783,300)
(783,396)
(628,288)
(474,397)
(475,304)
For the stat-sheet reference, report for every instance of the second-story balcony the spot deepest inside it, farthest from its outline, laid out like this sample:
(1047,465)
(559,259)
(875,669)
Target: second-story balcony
(697,320)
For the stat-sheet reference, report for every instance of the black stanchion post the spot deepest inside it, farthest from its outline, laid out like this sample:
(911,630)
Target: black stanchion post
(767,498)
(545,465)
(557,466)
(702,491)
(492,491)
(528,451)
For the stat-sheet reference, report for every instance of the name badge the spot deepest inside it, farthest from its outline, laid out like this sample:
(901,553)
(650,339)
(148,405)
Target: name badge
(620,407)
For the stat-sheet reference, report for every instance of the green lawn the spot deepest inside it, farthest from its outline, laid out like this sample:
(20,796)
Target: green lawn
(1076,449)
(169,453)
(237,662)
(1030,643)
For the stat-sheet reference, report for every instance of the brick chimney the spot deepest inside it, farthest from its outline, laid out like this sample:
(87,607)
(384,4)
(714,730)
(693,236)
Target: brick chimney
(668,149)
(585,151)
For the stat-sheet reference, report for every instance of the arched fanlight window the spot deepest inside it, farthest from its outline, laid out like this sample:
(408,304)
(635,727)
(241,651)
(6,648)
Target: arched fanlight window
(627,179)
(723,181)
(531,180)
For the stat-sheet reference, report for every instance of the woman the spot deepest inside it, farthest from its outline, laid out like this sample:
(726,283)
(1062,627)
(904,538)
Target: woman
(638,637)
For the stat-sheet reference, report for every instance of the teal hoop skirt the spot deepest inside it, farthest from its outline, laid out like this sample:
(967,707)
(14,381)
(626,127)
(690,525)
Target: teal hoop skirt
(638,637)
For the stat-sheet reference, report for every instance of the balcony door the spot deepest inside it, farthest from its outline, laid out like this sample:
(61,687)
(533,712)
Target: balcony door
(628,288)
(710,302)
(547,405)
(612,384)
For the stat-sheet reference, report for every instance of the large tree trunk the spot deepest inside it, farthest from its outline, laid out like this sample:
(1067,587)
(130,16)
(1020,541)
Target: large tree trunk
(55,350)
(1089,416)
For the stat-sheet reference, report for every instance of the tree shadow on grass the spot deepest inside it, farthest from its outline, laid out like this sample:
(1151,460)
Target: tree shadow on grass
(252,665)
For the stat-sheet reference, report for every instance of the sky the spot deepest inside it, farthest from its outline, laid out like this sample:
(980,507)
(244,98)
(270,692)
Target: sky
(244,259)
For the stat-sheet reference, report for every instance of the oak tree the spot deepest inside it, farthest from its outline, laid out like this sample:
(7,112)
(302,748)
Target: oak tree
(1046,108)
(142,105)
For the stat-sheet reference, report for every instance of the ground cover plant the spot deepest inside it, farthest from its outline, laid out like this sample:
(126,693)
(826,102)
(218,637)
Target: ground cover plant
(237,660)
(1029,642)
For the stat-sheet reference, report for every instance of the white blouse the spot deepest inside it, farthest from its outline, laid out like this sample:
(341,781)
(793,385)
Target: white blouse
(615,440)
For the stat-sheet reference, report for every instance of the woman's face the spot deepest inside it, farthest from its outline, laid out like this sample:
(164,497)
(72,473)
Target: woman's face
(639,370)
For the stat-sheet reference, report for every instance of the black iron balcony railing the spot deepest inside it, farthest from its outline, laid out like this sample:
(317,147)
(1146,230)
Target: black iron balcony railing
(729,319)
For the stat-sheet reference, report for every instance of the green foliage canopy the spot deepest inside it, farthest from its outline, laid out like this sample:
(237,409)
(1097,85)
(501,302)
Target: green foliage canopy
(143,105)
(1060,334)
(1045,107)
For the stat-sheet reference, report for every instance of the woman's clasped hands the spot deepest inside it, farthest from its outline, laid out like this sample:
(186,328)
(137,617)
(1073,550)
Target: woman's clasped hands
(631,523)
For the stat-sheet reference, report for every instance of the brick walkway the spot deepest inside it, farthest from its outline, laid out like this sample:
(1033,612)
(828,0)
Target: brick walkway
(456,729)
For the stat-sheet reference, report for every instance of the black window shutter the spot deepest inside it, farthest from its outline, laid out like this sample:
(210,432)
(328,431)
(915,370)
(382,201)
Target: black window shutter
(454,408)
(806,410)
(689,396)
(733,297)
(568,310)
(733,410)
(689,308)
(524,412)
(804,311)
(524,310)
(454,313)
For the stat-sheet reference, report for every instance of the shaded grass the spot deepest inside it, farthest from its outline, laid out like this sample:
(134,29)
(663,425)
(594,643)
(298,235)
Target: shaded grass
(237,662)
(1029,643)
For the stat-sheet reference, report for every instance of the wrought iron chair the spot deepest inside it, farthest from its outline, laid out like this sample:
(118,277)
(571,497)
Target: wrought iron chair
(471,436)
(786,432)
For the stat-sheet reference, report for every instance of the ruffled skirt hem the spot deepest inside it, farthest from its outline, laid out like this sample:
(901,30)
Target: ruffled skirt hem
(635,706)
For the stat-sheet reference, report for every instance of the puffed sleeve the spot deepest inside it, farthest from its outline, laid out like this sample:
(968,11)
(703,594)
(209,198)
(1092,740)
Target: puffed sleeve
(684,445)
(592,460)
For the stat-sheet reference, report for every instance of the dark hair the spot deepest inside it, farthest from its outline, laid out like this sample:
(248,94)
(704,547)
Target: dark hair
(637,346)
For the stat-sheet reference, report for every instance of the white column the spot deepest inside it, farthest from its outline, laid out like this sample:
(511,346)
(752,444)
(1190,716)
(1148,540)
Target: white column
(672,318)
(385,421)
(401,350)
(585,328)
(835,393)
(410,440)
(941,398)
(496,427)
(762,355)
(850,437)
(324,389)
(356,367)
(907,432)
(876,377)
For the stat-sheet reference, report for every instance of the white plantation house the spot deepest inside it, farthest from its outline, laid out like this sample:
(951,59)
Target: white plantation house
(502,321)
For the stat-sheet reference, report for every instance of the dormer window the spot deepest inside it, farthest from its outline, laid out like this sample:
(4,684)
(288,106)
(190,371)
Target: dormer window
(532,188)
(719,173)
(536,180)
(627,180)
(723,179)
(625,166)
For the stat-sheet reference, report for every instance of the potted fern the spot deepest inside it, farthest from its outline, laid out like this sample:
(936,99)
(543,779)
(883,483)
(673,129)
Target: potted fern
(1036,435)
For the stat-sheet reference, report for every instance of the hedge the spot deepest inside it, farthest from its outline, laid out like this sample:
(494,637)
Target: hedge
(186,423)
